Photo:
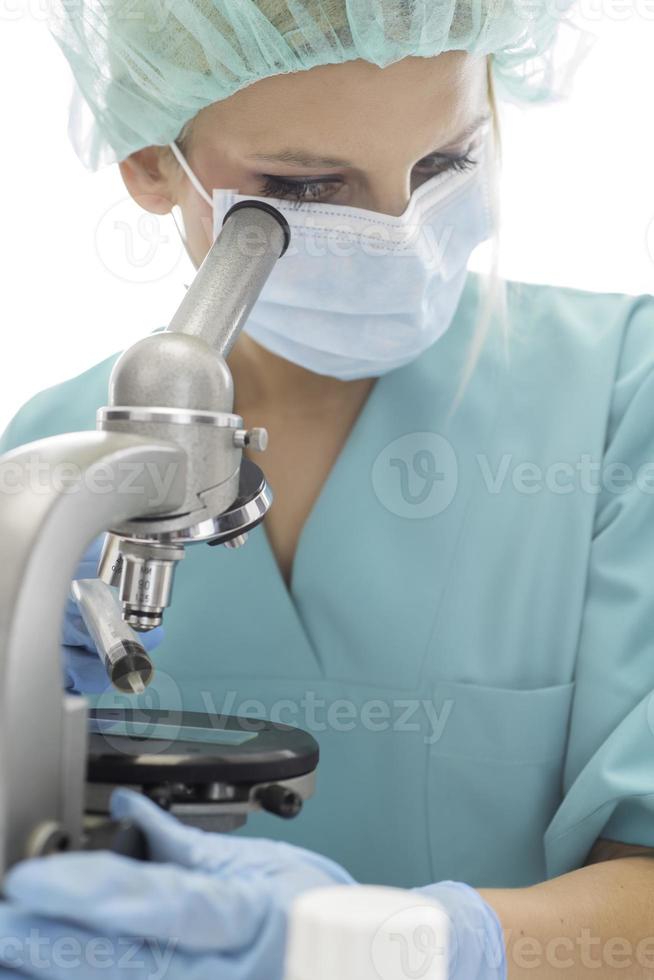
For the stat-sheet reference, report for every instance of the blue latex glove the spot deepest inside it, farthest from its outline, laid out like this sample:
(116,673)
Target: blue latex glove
(84,672)
(477,950)
(215,907)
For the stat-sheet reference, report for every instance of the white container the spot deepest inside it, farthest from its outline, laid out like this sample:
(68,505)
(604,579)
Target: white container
(361,932)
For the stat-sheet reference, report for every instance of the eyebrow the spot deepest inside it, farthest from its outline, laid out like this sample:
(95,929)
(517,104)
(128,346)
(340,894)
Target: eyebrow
(467,132)
(301,158)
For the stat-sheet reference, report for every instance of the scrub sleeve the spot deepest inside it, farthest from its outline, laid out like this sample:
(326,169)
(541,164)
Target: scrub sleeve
(609,765)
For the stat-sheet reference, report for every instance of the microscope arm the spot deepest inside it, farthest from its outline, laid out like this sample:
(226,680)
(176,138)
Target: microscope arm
(164,469)
(58,494)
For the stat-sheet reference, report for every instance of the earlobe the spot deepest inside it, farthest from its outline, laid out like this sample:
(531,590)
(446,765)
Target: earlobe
(148,181)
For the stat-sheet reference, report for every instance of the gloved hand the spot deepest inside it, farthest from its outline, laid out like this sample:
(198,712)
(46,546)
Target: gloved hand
(84,672)
(476,947)
(216,905)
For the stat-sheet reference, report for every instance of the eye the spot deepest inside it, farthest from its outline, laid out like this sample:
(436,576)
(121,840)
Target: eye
(438,164)
(300,189)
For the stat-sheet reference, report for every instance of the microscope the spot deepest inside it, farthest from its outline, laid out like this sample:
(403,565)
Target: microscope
(164,469)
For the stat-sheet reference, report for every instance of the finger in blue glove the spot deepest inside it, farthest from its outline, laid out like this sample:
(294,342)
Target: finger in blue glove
(117,895)
(216,896)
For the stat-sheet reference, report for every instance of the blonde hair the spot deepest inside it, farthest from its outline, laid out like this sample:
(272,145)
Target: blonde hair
(494,293)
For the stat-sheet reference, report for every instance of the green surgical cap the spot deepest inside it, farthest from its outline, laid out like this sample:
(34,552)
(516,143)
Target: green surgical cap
(144,68)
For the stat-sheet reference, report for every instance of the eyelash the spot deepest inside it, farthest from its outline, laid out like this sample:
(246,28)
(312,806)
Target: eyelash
(296,190)
(310,190)
(459,164)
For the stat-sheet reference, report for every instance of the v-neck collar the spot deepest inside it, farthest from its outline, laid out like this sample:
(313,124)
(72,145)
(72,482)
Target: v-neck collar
(366,578)
(354,437)
(288,594)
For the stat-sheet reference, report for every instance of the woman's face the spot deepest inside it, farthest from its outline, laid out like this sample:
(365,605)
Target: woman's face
(349,134)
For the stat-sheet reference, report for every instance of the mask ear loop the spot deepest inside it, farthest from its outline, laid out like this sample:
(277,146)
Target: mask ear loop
(178,218)
(179,156)
(176,211)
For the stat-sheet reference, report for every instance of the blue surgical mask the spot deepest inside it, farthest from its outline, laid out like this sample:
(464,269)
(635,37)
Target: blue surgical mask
(359,293)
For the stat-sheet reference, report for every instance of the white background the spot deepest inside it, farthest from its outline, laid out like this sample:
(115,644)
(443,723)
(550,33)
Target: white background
(577,199)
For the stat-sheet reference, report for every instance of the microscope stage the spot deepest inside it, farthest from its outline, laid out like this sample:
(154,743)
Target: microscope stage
(150,746)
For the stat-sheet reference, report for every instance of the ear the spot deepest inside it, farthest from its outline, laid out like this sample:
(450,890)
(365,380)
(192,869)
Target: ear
(149,180)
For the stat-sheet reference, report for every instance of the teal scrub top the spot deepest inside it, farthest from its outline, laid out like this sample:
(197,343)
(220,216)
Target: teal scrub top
(469,630)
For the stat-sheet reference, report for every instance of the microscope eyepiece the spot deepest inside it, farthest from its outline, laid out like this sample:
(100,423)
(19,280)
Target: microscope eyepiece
(263,206)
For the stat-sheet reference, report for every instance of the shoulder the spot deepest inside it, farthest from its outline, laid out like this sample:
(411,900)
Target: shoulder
(590,321)
(546,315)
(559,370)
(598,341)
(69,406)
(566,339)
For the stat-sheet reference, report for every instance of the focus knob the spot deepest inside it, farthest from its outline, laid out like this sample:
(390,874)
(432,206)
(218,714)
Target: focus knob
(252,438)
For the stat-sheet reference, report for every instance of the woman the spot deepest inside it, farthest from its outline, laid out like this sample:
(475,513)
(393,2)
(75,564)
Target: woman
(453,588)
